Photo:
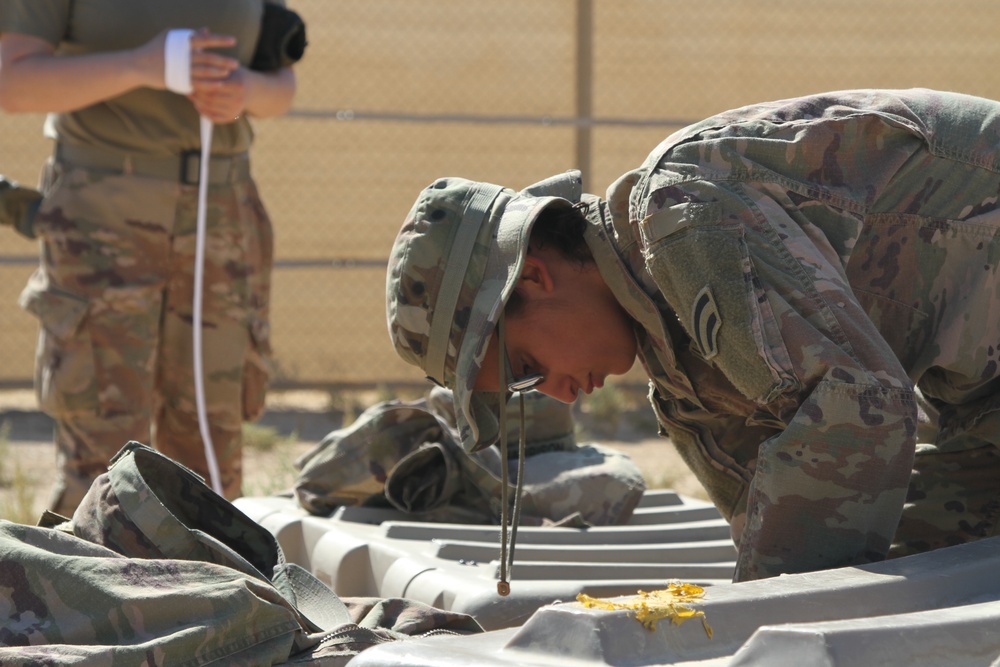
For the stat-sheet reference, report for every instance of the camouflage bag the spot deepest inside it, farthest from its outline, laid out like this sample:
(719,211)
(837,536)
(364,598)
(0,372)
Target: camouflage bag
(155,568)
(374,463)
(408,456)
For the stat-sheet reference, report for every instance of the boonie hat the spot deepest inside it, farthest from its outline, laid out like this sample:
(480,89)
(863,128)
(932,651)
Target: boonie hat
(454,265)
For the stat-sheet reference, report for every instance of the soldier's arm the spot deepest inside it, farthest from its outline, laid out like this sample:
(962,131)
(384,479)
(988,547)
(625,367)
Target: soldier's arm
(828,487)
(35,78)
(261,94)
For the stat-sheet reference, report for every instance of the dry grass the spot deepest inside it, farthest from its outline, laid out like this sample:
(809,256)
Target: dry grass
(18,486)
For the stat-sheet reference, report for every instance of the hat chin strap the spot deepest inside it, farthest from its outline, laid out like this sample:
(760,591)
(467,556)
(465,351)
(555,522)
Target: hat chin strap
(507,551)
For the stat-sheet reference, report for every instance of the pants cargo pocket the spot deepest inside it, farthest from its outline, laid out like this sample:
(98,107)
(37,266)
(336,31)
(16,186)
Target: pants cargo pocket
(257,371)
(65,380)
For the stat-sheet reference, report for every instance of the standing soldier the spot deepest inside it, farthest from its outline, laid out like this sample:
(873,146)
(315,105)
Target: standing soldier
(126,87)
(811,286)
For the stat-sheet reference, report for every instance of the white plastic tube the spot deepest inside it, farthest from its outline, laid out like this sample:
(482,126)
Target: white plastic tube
(177,78)
(199,280)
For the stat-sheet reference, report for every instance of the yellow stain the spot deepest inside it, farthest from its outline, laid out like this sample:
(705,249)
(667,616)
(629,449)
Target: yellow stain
(653,606)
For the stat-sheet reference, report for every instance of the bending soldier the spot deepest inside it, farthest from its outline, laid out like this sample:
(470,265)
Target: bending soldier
(811,286)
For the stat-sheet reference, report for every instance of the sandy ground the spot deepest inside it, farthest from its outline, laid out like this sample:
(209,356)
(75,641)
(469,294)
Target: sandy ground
(26,465)
(26,472)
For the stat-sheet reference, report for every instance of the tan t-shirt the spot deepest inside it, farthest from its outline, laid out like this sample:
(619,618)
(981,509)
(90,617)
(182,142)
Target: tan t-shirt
(144,120)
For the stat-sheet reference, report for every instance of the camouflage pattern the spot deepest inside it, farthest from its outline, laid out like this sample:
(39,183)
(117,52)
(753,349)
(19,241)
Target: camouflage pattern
(408,456)
(73,602)
(807,274)
(952,499)
(452,267)
(549,424)
(18,206)
(380,620)
(114,296)
(148,506)
(158,569)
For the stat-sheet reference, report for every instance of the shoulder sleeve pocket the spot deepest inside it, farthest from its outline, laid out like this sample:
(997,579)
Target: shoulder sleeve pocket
(703,267)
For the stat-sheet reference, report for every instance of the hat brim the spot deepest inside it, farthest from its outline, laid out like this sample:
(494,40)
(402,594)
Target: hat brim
(477,411)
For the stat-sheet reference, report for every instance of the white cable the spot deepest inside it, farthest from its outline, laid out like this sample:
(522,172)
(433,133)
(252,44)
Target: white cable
(177,77)
(199,278)
(177,61)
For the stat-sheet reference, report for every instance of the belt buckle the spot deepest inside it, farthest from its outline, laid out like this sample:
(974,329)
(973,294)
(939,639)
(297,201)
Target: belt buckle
(190,167)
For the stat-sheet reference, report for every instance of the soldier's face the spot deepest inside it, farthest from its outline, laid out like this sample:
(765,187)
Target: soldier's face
(570,329)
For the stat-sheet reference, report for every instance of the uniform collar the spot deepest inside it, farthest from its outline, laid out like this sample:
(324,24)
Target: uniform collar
(612,243)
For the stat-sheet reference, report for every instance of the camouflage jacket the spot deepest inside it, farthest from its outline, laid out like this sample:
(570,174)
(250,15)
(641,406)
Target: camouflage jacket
(796,270)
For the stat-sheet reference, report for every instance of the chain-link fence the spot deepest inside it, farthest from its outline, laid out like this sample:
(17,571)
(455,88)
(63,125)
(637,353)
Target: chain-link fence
(395,93)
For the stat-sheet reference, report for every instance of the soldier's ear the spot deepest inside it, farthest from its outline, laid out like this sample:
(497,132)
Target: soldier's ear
(536,275)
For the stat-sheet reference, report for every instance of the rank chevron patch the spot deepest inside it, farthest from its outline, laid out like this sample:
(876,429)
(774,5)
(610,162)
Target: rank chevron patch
(706,321)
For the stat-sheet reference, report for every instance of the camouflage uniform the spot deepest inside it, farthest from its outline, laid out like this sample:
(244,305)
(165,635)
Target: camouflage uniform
(814,285)
(114,298)
(817,282)
(114,289)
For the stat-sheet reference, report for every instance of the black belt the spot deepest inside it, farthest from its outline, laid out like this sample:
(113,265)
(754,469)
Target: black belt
(183,168)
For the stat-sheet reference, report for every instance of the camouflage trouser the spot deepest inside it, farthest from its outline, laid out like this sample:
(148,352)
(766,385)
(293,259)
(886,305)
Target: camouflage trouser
(954,491)
(113,294)
(953,498)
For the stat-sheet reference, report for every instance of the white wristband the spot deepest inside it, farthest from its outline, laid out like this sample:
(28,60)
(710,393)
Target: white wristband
(177,61)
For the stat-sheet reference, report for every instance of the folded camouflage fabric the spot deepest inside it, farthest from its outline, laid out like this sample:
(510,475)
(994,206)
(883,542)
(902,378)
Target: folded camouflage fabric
(381,460)
(160,570)
(70,601)
(548,422)
(409,456)
(148,506)
(350,465)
